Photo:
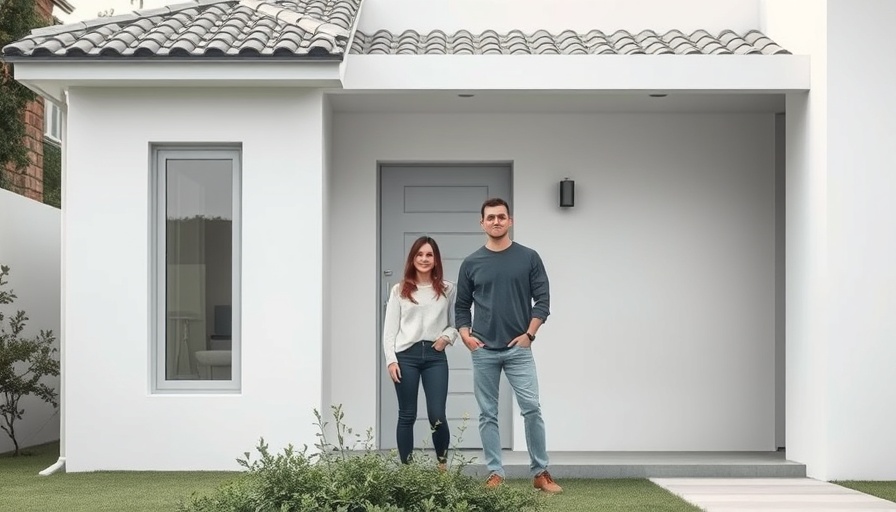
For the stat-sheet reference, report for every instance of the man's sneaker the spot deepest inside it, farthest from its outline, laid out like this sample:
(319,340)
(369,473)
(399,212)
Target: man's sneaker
(443,467)
(494,480)
(544,482)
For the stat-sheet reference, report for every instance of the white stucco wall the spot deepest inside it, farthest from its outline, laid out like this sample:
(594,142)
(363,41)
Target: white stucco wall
(861,247)
(29,246)
(840,276)
(558,15)
(801,26)
(663,286)
(114,420)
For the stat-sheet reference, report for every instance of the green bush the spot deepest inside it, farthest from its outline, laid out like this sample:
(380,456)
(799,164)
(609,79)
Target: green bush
(336,477)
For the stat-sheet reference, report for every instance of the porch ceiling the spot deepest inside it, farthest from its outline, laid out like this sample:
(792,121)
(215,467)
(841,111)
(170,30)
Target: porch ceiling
(552,102)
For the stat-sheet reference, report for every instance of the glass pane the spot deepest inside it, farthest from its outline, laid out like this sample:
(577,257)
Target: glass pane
(199,252)
(57,122)
(52,119)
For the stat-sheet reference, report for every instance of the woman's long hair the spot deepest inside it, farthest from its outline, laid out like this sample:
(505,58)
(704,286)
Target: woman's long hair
(410,272)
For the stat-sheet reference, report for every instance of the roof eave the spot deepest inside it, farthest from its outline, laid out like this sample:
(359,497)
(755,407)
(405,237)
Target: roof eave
(52,77)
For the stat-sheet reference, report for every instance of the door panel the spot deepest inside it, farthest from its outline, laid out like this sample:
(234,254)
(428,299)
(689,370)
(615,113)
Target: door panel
(443,202)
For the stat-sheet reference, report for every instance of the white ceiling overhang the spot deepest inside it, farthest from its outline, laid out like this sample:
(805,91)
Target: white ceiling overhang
(607,73)
(52,78)
(396,73)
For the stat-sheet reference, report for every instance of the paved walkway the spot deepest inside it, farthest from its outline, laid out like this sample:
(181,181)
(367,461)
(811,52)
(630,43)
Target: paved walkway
(772,495)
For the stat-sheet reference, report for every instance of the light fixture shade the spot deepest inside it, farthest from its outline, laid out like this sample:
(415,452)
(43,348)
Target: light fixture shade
(567,193)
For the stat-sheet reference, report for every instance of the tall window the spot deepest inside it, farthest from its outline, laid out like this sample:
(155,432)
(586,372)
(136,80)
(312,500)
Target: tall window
(52,121)
(197,213)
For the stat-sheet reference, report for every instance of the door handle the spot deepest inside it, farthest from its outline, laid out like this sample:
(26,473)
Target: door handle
(387,288)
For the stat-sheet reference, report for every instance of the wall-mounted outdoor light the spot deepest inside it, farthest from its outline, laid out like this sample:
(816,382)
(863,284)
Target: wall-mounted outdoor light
(567,193)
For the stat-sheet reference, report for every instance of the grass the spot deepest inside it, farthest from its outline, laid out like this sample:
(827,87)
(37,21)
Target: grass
(612,495)
(883,489)
(23,490)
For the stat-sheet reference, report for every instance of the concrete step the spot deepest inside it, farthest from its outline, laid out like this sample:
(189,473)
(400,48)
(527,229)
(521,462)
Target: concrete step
(647,464)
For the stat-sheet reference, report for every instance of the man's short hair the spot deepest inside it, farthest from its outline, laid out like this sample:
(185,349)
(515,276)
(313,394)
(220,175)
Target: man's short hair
(492,202)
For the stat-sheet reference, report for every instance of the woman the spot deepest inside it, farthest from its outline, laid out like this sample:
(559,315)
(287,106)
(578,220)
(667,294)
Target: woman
(419,325)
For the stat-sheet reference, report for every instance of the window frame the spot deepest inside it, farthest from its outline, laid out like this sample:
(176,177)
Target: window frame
(160,154)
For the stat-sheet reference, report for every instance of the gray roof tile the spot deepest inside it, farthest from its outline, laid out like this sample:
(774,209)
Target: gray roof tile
(203,28)
(321,28)
(541,42)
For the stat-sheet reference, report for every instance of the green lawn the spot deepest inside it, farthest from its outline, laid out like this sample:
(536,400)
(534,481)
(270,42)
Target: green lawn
(23,490)
(885,490)
(611,495)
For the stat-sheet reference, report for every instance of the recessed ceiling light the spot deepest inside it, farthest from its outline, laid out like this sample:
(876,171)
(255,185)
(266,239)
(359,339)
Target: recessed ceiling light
(465,95)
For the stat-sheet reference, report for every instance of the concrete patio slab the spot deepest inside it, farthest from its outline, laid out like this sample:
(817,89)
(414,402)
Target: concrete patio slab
(771,495)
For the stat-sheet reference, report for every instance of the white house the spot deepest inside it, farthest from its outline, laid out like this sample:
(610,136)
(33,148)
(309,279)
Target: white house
(241,180)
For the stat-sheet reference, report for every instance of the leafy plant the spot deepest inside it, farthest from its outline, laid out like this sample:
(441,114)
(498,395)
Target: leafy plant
(17,18)
(348,475)
(24,362)
(52,174)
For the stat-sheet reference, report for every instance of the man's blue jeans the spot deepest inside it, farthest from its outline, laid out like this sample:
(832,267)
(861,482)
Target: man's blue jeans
(519,366)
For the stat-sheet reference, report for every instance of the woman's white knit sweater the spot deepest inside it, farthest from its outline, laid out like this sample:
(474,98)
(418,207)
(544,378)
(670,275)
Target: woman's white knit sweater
(407,323)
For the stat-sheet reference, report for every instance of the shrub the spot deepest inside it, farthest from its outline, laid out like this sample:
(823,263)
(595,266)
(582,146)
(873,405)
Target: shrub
(23,364)
(52,174)
(339,478)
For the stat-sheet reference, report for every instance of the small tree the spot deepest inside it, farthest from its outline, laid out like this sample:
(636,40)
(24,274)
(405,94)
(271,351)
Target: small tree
(23,364)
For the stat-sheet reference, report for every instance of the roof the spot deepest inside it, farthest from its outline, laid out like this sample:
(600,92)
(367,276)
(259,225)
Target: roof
(203,29)
(541,42)
(321,29)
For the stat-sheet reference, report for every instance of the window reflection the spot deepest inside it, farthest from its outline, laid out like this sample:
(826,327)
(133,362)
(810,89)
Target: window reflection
(199,256)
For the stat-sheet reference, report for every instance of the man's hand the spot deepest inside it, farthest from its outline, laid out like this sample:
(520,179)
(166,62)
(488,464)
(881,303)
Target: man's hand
(395,372)
(522,340)
(471,342)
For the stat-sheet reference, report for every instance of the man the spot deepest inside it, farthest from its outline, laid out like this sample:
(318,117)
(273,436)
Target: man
(503,279)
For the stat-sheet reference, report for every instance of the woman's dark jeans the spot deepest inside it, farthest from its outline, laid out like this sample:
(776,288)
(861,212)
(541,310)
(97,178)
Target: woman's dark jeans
(422,362)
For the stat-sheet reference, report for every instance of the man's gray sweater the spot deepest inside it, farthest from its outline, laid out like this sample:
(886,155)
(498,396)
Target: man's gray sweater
(502,286)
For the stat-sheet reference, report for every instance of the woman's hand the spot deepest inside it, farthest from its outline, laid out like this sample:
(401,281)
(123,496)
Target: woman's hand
(395,372)
(440,344)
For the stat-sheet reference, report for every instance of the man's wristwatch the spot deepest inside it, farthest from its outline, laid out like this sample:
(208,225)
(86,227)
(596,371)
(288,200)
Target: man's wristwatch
(531,336)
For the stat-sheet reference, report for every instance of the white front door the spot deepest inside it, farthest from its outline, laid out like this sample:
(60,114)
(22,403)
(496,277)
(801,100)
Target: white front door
(441,201)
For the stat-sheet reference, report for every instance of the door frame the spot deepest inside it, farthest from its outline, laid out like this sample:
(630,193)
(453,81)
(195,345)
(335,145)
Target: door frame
(380,292)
